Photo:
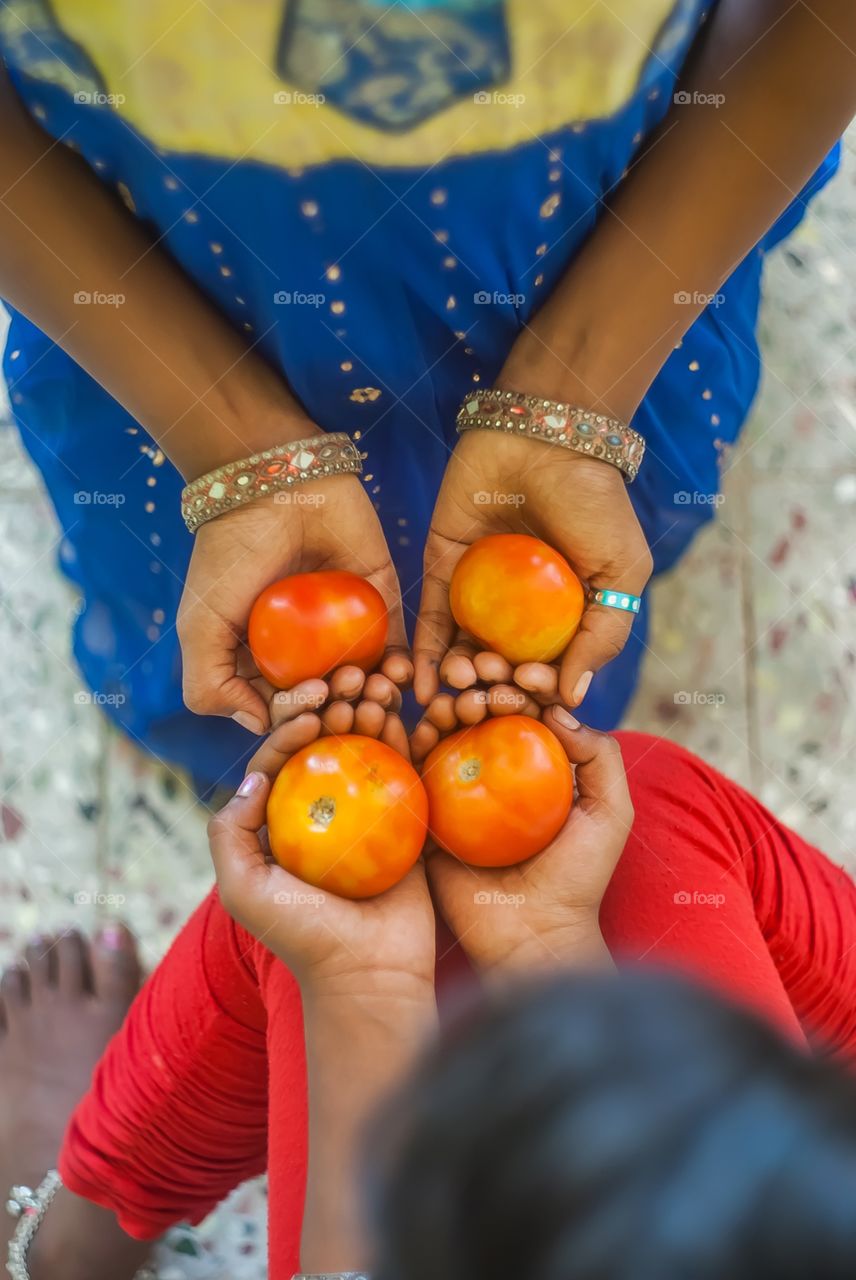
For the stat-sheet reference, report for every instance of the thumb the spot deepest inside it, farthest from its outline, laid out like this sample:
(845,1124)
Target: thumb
(211,685)
(234,839)
(435,626)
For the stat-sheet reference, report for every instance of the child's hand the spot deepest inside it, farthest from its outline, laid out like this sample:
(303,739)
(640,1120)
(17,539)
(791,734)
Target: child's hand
(380,946)
(544,911)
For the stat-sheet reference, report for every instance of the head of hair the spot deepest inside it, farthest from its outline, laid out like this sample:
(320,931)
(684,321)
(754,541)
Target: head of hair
(606,1128)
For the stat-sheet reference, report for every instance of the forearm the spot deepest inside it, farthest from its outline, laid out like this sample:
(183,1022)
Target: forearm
(357,1052)
(710,183)
(165,353)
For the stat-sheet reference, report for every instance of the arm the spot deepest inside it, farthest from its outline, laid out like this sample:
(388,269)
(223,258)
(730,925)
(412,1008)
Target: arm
(710,183)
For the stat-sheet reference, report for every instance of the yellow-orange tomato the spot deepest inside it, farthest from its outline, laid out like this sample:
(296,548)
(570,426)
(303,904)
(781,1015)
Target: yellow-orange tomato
(308,624)
(517,596)
(499,791)
(348,815)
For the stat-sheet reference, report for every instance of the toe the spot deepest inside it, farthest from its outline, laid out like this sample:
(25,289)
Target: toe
(74,977)
(41,963)
(115,964)
(14,992)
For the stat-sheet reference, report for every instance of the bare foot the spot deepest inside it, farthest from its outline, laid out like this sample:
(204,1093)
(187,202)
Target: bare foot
(57,1013)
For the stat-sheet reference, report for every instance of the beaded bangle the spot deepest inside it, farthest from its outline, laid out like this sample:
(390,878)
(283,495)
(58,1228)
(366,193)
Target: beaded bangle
(562,424)
(264,473)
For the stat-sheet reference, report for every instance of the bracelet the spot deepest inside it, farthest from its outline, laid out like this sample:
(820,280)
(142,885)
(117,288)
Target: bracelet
(273,470)
(330,1275)
(562,424)
(30,1207)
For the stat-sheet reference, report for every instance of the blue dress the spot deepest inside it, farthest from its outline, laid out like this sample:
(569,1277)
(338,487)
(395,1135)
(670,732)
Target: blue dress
(379,196)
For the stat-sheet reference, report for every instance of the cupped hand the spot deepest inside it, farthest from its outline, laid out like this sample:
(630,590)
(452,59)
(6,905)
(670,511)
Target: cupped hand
(331,944)
(496,483)
(544,912)
(235,556)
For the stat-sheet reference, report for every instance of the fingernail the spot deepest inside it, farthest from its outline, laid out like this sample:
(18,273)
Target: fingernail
(564,717)
(111,937)
(246,721)
(581,687)
(251,783)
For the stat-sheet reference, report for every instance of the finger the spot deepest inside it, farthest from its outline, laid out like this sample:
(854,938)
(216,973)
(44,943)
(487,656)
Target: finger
(287,704)
(394,735)
(380,689)
(423,740)
(507,700)
(471,707)
(441,712)
(457,668)
(283,742)
(346,683)
(601,636)
(435,628)
(492,668)
(233,833)
(368,719)
(210,683)
(601,781)
(337,718)
(539,679)
(397,666)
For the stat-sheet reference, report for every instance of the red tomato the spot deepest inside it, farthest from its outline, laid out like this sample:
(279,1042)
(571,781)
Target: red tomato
(499,791)
(517,596)
(347,814)
(308,624)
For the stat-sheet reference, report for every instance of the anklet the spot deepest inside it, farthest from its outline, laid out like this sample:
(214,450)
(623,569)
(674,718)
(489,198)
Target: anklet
(30,1207)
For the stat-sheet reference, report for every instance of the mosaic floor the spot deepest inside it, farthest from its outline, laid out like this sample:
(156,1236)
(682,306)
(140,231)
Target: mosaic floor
(751,665)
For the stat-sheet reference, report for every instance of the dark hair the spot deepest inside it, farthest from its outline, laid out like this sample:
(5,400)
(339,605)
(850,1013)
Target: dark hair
(605,1128)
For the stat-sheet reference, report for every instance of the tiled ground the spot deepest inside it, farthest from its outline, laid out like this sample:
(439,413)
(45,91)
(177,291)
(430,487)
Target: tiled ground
(752,665)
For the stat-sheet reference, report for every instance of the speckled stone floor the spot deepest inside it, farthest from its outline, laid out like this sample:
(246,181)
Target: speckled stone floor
(751,665)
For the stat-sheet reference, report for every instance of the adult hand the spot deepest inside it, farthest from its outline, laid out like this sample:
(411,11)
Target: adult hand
(502,484)
(332,945)
(544,912)
(238,554)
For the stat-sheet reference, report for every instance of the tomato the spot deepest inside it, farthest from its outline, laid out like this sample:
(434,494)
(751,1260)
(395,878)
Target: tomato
(499,791)
(308,624)
(347,814)
(517,596)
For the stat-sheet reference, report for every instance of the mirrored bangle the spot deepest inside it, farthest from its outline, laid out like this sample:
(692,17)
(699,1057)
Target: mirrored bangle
(565,425)
(275,470)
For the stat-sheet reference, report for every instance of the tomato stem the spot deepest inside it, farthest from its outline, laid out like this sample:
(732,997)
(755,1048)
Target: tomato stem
(322,811)
(469,769)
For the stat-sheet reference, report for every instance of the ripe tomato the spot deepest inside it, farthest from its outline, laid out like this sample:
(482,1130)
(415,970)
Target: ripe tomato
(517,596)
(307,624)
(347,814)
(499,791)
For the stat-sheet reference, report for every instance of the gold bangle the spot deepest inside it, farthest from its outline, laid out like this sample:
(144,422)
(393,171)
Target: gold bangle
(566,425)
(265,473)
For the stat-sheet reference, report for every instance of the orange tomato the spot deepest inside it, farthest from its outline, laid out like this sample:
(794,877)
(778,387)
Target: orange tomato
(347,814)
(517,596)
(498,792)
(309,623)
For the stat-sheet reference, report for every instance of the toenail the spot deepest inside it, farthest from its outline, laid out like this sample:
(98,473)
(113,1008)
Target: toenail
(112,937)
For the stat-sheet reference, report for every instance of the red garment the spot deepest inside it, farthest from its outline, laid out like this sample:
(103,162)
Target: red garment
(205,1083)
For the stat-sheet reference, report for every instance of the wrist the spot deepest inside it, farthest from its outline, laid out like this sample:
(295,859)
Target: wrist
(576,943)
